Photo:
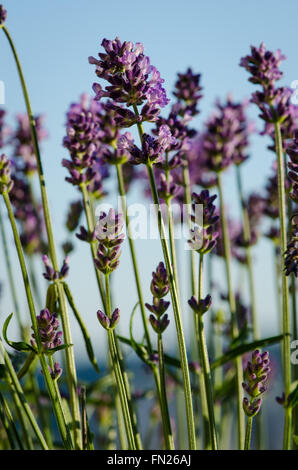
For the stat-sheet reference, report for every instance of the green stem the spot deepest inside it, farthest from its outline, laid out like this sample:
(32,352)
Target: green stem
(204,359)
(169,441)
(57,409)
(175,303)
(9,425)
(118,375)
(70,368)
(48,223)
(21,396)
(248,433)
(90,224)
(285,285)
(10,276)
(122,193)
(177,314)
(104,295)
(232,303)
(249,265)
(186,183)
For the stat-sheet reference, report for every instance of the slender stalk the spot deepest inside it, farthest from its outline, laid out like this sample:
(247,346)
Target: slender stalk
(10,276)
(206,365)
(122,193)
(169,441)
(69,351)
(186,183)
(26,435)
(8,423)
(70,368)
(172,244)
(90,224)
(103,295)
(121,189)
(248,433)
(21,396)
(232,303)
(119,376)
(51,390)
(175,303)
(285,285)
(249,265)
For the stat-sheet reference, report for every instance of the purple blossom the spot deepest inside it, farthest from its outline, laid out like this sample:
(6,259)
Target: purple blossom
(188,91)
(30,216)
(3,14)
(159,288)
(48,331)
(291,254)
(202,306)
(255,375)
(106,322)
(263,65)
(85,235)
(108,233)
(83,140)
(74,215)
(21,139)
(152,148)
(131,77)
(204,236)
(225,138)
(6,182)
(273,102)
(3,129)
(51,274)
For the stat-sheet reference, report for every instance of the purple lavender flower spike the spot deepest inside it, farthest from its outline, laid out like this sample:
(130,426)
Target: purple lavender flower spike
(159,288)
(86,236)
(263,65)
(204,236)
(103,320)
(108,233)
(56,372)
(106,322)
(83,141)
(48,325)
(225,139)
(73,216)
(188,91)
(160,282)
(202,306)
(255,375)
(115,318)
(6,183)
(159,325)
(273,102)
(25,158)
(3,14)
(51,274)
(4,130)
(131,77)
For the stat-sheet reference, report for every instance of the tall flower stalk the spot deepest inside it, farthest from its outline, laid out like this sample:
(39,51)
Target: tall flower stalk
(71,369)
(274,104)
(5,186)
(110,238)
(255,374)
(159,322)
(203,241)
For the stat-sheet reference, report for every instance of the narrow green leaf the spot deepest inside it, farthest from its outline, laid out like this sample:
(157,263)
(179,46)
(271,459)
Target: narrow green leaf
(18,345)
(244,348)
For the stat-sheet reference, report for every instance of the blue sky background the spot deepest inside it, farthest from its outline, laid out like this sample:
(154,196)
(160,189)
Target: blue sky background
(54,40)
